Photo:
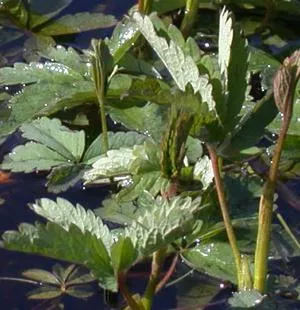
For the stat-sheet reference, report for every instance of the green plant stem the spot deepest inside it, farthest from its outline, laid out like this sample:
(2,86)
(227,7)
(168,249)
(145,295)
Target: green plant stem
(287,229)
(132,304)
(266,213)
(145,6)
(100,80)
(225,213)
(165,279)
(190,14)
(157,262)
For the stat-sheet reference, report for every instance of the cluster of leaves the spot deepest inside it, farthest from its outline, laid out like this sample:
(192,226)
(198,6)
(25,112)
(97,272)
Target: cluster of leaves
(170,107)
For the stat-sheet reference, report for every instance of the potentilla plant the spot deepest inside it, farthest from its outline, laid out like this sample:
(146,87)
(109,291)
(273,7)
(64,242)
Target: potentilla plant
(182,124)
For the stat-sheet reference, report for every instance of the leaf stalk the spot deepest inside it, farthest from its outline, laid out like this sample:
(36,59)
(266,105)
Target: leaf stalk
(225,214)
(190,14)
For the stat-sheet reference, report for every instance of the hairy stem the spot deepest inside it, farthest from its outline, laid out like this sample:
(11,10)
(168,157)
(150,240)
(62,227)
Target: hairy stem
(266,213)
(190,14)
(157,262)
(225,212)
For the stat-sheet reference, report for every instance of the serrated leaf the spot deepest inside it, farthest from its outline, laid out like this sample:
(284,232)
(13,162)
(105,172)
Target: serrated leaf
(59,138)
(44,98)
(182,67)
(203,171)
(42,12)
(45,292)
(68,57)
(40,275)
(62,212)
(114,163)
(72,245)
(148,120)
(116,140)
(69,24)
(164,223)
(151,182)
(233,62)
(30,157)
(36,72)
(123,254)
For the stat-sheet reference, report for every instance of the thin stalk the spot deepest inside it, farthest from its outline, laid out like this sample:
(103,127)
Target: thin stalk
(266,213)
(157,263)
(225,213)
(287,229)
(132,304)
(165,279)
(190,14)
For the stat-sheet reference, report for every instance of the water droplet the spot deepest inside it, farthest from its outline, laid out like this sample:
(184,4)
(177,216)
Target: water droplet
(6,88)
(83,188)
(46,104)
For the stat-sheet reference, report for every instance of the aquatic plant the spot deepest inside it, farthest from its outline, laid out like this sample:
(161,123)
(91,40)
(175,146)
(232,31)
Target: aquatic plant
(190,127)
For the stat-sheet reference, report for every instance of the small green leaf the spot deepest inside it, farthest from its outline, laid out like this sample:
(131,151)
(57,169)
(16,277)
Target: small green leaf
(69,24)
(63,177)
(123,254)
(41,276)
(116,140)
(203,171)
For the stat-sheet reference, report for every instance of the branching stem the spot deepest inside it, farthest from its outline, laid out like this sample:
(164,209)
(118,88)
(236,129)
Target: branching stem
(132,304)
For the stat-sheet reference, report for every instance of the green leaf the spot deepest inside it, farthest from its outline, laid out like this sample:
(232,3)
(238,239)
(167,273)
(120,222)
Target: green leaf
(233,62)
(44,98)
(124,35)
(203,171)
(50,72)
(63,177)
(69,24)
(113,163)
(148,120)
(40,275)
(167,221)
(68,57)
(116,140)
(73,246)
(250,299)
(45,292)
(163,6)
(151,182)
(63,213)
(16,10)
(123,254)
(214,259)
(182,67)
(30,157)
(51,133)
(40,12)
